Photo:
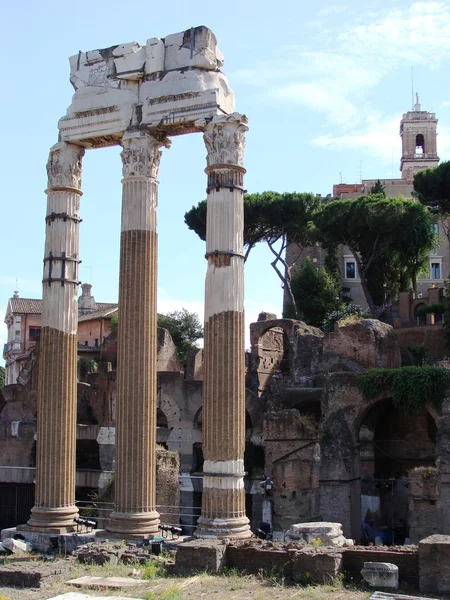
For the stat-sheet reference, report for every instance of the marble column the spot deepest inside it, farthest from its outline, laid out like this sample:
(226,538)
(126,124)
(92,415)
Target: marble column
(135,515)
(223,500)
(55,509)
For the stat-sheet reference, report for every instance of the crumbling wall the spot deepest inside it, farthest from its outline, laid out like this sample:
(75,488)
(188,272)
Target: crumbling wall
(292,459)
(423,494)
(167,486)
(166,352)
(365,344)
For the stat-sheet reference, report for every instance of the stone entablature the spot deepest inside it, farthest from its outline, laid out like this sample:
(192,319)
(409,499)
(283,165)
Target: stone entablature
(166,85)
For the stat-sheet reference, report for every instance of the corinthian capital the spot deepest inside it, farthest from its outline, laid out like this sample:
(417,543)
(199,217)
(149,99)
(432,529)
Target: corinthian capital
(225,140)
(141,155)
(64,165)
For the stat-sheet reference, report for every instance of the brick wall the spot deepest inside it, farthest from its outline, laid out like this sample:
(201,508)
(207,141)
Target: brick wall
(407,562)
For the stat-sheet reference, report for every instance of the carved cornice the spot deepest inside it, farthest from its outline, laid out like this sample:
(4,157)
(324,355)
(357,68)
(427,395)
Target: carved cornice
(64,166)
(224,139)
(141,155)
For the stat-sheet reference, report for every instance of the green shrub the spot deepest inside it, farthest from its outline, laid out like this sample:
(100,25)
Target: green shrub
(410,387)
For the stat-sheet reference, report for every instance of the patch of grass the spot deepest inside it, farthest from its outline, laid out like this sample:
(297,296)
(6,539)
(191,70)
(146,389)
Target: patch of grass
(154,570)
(172,593)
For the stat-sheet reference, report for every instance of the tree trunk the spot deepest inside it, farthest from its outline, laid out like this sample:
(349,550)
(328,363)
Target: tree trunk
(365,287)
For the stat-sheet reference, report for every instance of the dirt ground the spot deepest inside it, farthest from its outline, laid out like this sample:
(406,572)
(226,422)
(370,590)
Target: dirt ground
(162,585)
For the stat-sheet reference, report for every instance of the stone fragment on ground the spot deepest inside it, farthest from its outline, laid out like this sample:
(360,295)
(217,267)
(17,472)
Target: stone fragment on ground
(16,546)
(380,574)
(389,596)
(106,582)
(330,534)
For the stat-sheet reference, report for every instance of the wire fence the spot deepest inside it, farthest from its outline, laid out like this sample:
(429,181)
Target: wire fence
(170,515)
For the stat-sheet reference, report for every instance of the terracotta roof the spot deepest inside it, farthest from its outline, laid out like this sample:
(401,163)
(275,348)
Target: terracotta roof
(105,313)
(26,306)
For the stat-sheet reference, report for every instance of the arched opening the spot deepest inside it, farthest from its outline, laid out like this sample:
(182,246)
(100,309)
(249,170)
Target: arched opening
(271,355)
(310,410)
(391,445)
(162,428)
(421,319)
(420,144)
(198,419)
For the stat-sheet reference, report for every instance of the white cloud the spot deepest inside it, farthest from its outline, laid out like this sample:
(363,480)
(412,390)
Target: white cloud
(339,84)
(378,135)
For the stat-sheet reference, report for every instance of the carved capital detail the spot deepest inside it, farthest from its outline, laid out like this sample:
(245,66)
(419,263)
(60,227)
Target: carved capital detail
(141,155)
(64,165)
(225,140)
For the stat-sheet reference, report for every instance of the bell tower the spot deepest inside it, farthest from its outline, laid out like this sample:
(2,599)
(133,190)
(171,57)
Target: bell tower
(418,133)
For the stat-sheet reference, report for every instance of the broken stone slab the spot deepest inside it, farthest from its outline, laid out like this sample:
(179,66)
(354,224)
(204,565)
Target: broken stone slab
(201,555)
(388,596)
(380,574)
(79,596)
(106,582)
(330,534)
(14,576)
(322,567)
(434,564)
(16,546)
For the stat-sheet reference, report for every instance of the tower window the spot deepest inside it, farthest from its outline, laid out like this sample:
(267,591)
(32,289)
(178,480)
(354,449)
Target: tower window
(435,270)
(420,144)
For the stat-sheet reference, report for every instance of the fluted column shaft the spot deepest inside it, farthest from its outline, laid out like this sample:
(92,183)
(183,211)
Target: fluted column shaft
(55,509)
(135,514)
(223,500)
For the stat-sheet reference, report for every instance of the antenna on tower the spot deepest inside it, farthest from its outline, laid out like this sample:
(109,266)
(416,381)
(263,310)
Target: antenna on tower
(360,171)
(412,88)
(340,177)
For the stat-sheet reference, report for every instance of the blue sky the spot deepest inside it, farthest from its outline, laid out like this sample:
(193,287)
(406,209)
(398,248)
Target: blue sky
(323,85)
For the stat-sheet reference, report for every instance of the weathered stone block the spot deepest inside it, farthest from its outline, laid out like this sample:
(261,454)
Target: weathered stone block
(434,564)
(321,567)
(380,574)
(330,534)
(202,555)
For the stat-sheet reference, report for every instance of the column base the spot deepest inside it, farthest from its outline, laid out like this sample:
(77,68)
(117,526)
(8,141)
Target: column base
(132,525)
(234,529)
(52,520)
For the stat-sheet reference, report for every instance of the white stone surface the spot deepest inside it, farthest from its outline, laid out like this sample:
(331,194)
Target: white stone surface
(174,81)
(380,574)
(224,288)
(196,47)
(155,52)
(106,435)
(16,546)
(233,471)
(330,534)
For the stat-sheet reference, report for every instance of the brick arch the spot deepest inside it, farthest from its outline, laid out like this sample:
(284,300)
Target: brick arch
(170,408)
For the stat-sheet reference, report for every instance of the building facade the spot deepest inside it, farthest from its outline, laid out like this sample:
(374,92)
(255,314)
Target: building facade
(418,131)
(23,319)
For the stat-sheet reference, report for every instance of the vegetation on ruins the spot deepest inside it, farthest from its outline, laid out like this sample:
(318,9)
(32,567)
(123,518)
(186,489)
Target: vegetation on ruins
(2,377)
(419,352)
(411,388)
(273,218)
(351,313)
(86,366)
(432,188)
(377,189)
(316,294)
(185,328)
(389,238)
(434,309)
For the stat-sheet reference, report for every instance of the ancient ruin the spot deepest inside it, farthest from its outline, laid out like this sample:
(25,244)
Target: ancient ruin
(137,96)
